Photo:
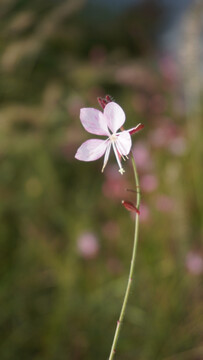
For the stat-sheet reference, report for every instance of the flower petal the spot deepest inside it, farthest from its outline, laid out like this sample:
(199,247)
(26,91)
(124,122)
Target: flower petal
(124,142)
(91,150)
(115,116)
(94,121)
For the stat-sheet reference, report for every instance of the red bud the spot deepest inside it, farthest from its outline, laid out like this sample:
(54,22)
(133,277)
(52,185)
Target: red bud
(130,206)
(136,129)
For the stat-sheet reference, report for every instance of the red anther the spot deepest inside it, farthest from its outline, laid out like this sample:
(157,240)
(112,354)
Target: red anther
(109,98)
(100,101)
(136,129)
(130,206)
(104,102)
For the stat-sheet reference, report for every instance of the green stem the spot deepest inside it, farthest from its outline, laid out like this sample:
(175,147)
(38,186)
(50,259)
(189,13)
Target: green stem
(130,277)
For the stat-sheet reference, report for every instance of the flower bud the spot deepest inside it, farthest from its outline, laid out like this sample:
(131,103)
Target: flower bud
(138,128)
(130,206)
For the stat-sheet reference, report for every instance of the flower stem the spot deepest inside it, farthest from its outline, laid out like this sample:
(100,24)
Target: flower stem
(130,277)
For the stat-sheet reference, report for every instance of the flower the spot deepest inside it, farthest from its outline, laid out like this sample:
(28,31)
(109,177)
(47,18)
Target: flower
(105,124)
(87,245)
(194,263)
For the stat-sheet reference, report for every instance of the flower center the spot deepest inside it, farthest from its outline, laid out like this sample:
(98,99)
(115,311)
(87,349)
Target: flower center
(113,137)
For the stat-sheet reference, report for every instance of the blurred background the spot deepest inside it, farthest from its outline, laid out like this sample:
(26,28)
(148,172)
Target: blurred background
(66,241)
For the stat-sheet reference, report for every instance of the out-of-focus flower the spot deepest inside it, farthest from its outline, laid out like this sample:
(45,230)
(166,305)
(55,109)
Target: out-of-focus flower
(142,156)
(164,203)
(136,75)
(164,134)
(106,124)
(157,104)
(178,146)
(194,263)
(148,182)
(144,213)
(88,245)
(114,185)
(168,69)
(73,104)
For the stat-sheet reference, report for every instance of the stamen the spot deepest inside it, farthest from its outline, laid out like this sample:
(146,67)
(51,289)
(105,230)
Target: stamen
(121,170)
(121,150)
(106,156)
(109,98)
(100,101)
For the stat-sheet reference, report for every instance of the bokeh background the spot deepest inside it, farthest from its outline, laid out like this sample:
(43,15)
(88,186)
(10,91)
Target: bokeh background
(66,240)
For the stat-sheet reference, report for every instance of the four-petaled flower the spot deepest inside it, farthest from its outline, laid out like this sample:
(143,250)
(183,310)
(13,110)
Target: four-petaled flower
(105,124)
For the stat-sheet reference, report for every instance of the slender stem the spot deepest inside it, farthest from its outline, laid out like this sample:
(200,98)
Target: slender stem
(132,265)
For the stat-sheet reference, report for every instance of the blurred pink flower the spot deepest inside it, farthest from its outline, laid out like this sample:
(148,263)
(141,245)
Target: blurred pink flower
(164,203)
(157,104)
(178,146)
(164,134)
(106,124)
(169,69)
(148,182)
(73,105)
(142,156)
(87,245)
(144,213)
(114,185)
(194,263)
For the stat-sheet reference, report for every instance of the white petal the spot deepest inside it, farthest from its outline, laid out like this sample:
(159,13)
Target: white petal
(94,121)
(91,150)
(115,116)
(124,142)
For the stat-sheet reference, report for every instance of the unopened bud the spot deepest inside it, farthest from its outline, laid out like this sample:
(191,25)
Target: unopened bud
(130,206)
(136,129)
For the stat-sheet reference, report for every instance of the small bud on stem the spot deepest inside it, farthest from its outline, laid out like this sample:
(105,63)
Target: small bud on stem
(130,206)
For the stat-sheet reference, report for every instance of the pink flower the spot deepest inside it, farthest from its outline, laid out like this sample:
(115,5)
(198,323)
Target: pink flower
(194,263)
(165,203)
(105,124)
(142,156)
(87,245)
(148,182)
(114,184)
(144,213)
